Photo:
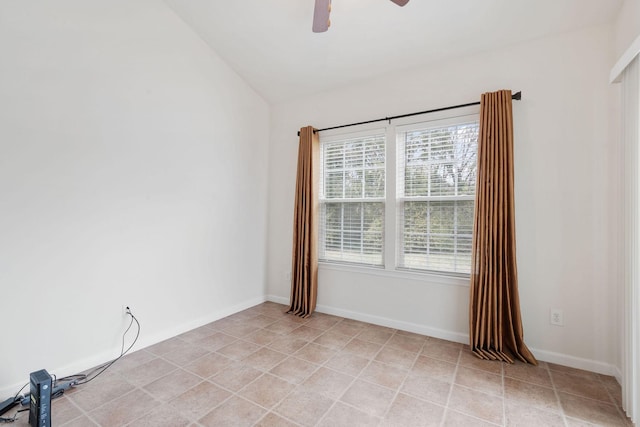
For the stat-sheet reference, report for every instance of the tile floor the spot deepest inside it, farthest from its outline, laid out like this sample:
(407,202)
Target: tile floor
(265,368)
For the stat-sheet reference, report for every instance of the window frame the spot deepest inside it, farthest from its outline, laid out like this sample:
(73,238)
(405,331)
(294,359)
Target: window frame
(389,268)
(401,199)
(337,138)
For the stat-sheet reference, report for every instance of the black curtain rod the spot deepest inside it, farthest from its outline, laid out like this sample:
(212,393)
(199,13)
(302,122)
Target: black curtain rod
(517,96)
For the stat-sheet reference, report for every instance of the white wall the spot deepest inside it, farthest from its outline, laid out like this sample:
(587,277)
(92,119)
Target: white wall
(132,172)
(566,208)
(627,26)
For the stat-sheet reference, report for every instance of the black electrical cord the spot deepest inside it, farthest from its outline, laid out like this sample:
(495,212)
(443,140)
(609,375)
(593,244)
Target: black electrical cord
(80,379)
(85,378)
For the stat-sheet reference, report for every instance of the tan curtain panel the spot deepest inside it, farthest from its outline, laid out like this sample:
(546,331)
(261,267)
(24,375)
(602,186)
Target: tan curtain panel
(495,325)
(304,261)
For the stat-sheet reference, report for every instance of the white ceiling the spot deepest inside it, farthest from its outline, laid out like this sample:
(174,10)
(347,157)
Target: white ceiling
(270,44)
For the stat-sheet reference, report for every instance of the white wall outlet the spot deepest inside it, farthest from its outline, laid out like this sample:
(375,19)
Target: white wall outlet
(556,317)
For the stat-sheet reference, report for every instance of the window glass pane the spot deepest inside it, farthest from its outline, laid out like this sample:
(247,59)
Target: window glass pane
(353,232)
(436,236)
(437,169)
(440,161)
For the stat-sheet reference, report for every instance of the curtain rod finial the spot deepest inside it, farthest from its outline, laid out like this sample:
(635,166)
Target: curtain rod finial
(517,96)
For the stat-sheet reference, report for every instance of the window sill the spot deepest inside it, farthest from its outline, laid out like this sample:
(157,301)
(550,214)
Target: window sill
(426,277)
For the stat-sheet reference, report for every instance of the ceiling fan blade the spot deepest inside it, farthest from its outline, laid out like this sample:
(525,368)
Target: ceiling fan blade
(321,16)
(400,2)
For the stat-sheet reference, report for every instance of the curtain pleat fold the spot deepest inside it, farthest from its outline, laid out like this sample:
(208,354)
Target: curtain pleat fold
(495,325)
(304,260)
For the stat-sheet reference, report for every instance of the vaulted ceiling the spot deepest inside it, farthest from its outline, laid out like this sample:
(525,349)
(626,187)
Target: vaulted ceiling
(269,43)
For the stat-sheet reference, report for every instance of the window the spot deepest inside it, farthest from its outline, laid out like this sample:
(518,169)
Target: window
(352,197)
(436,185)
(423,197)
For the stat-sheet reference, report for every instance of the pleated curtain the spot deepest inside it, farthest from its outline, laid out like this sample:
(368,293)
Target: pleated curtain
(304,260)
(495,325)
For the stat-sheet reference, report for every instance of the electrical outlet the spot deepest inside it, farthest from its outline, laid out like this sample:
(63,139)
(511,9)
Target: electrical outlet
(125,309)
(556,317)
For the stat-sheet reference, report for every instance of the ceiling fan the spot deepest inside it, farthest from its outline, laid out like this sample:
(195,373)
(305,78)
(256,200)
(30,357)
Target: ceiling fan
(322,10)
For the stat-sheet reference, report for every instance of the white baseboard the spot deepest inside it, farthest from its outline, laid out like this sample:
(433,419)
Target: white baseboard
(542,355)
(143,342)
(578,363)
(384,321)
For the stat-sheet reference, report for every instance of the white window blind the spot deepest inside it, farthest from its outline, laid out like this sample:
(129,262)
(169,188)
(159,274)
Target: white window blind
(352,197)
(435,192)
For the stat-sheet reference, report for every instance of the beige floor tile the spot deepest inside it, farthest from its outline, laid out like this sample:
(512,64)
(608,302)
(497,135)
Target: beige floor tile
(275,420)
(323,321)
(132,360)
(63,410)
(99,391)
(571,371)
(240,330)
(267,390)
(437,349)
(199,400)
(479,380)
(172,385)
(333,340)
(287,344)
(235,412)
(468,360)
(384,375)
(378,335)
(238,350)
(328,383)
(282,327)
(434,368)
(294,370)
(344,415)
(519,392)
(395,357)
(148,372)
(427,388)
(365,349)
(185,355)
(592,411)
(81,421)
(222,323)
(235,376)
(315,353)
(215,341)
(161,417)
(457,419)
(477,404)
(125,409)
(348,363)
(197,334)
(528,416)
(306,333)
(260,320)
(347,328)
(409,411)
(264,359)
(370,398)
(208,365)
(528,373)
(410,344)
(352,374)
(262,337)
(304,407)
(580,385)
